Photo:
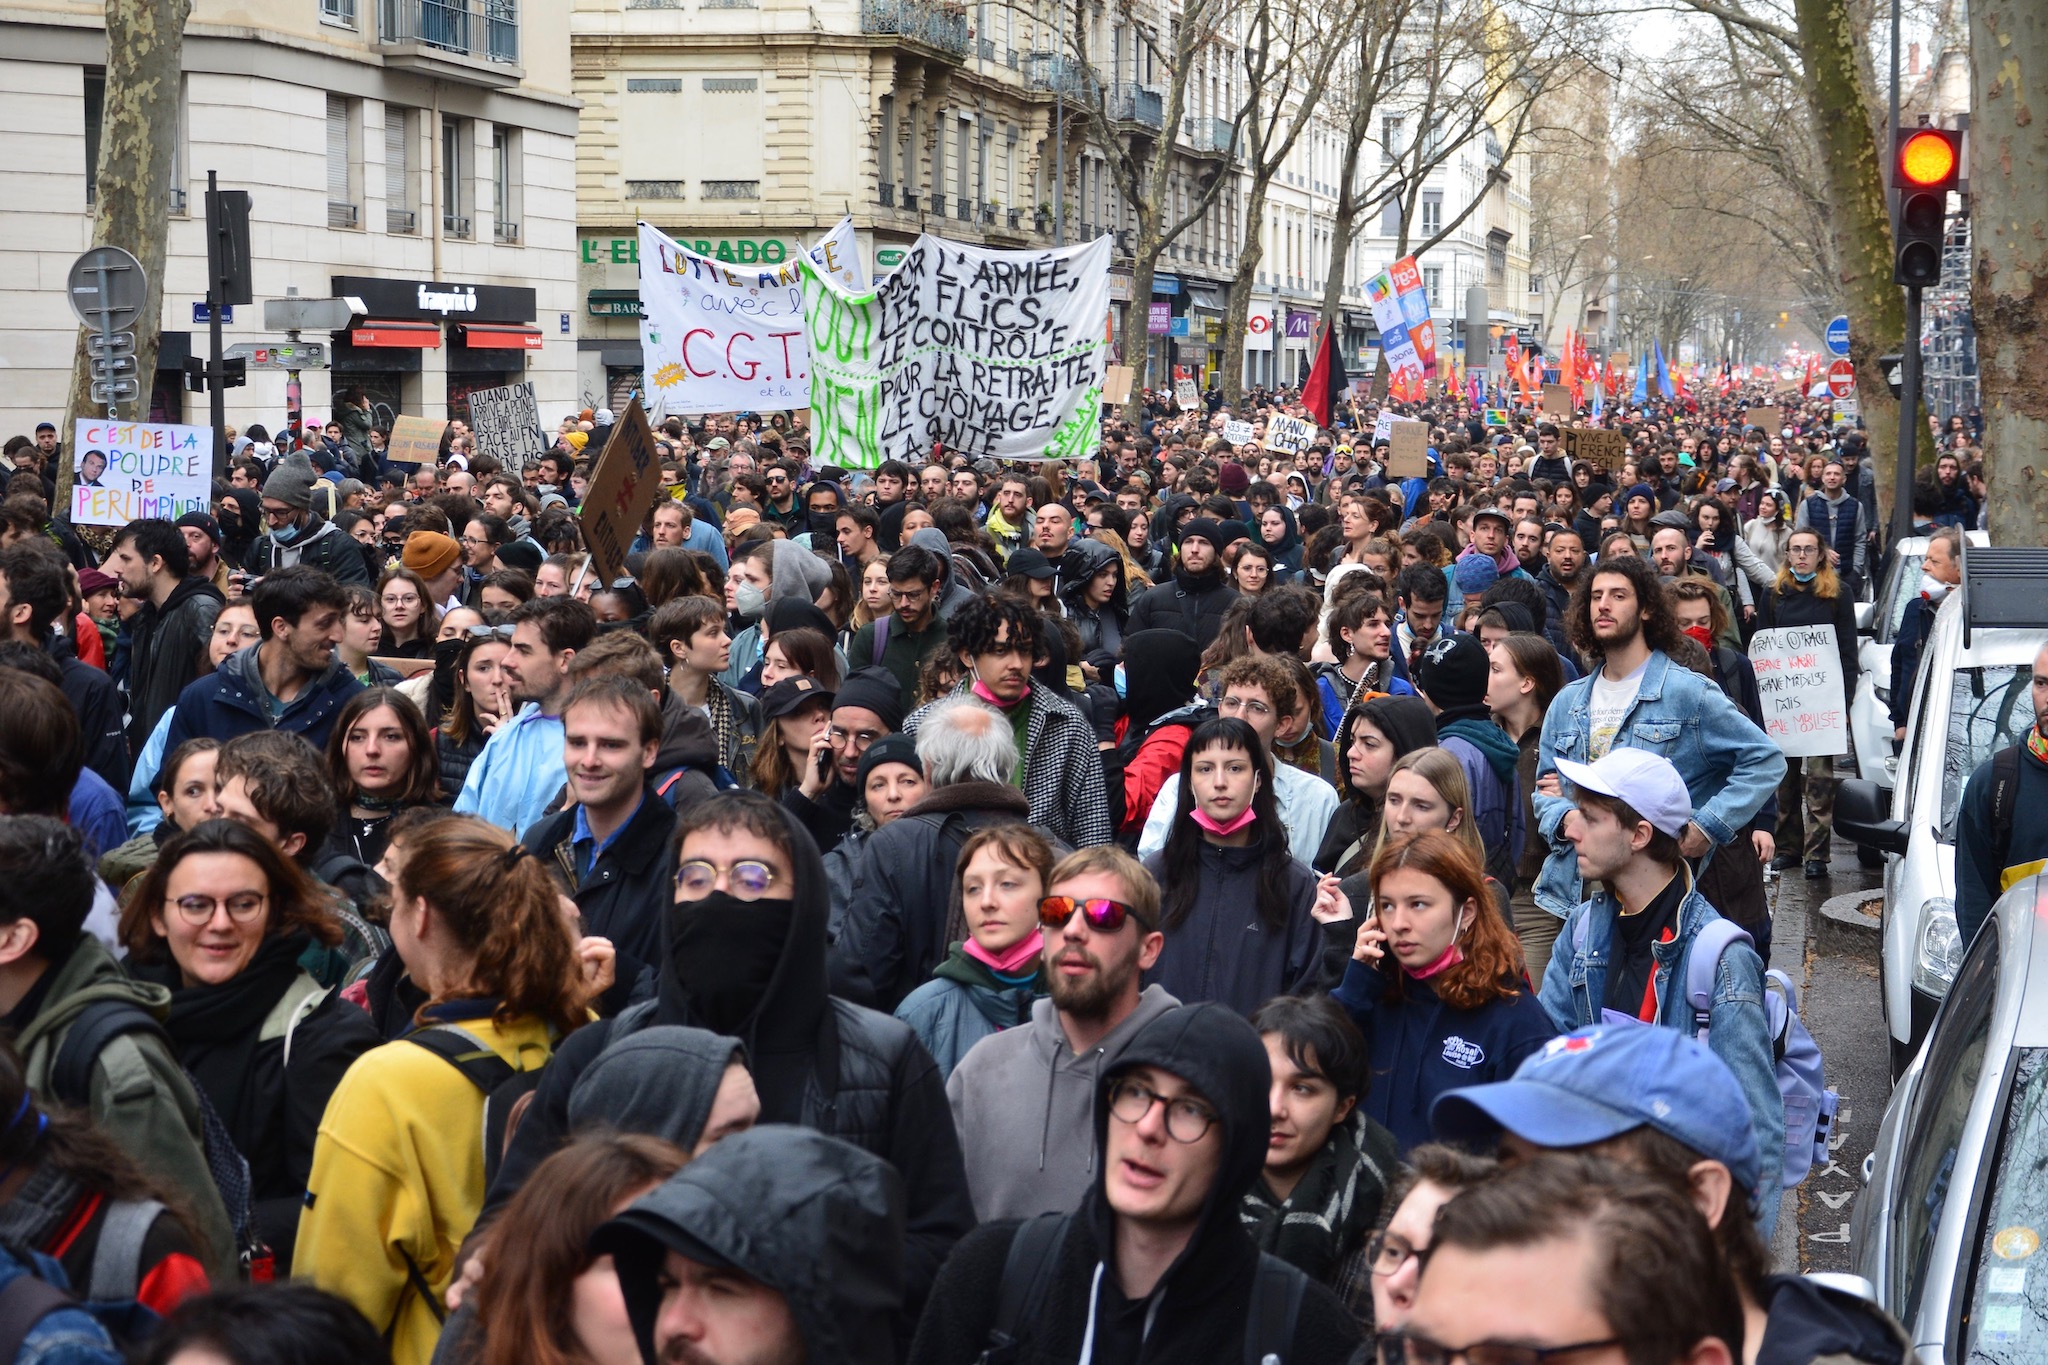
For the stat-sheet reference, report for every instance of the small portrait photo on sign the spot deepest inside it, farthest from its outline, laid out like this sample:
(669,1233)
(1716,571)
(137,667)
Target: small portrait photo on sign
(91,465)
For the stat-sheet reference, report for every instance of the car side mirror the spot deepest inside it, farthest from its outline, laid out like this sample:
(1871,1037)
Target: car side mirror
(1862,814)
(1866,618)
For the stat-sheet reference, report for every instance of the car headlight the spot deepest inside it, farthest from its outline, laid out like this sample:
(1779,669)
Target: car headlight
(1940,950)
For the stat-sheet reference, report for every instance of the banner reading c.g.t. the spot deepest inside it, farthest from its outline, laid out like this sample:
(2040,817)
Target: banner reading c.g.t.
(995,354)
(124,471)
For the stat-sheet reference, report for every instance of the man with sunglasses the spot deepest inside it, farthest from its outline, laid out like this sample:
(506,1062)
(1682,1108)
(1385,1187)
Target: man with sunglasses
(783,504)
(746,957)
(1153,1263)
(1024,1098)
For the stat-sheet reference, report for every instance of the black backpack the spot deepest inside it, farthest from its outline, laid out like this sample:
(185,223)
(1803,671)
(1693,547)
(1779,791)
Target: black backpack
(1277,1291)
(99,1024)
(2005,799)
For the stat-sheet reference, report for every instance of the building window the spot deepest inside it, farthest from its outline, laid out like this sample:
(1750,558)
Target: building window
(654,189)
(654,85)
(458,157)
(730,189)
(731,85)
(1496,261)
(95,104)
(341,12)
(507,189)
(1433,285)
(1432,213)
(401,136)
(1535,284)
(1390,140)
(344,162)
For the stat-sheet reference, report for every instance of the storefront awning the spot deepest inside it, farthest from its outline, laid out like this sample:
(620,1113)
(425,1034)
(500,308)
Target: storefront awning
(1206,298)
(405,335)
(511,336)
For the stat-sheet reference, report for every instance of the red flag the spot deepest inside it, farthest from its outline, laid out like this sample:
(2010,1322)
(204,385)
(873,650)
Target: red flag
(1326,380)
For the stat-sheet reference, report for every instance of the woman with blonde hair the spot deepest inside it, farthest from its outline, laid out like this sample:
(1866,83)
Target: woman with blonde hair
(1426,793)
(405,1148)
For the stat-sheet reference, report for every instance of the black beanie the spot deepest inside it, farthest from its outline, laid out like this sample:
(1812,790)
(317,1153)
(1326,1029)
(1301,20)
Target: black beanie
(877,690)
(1452,672)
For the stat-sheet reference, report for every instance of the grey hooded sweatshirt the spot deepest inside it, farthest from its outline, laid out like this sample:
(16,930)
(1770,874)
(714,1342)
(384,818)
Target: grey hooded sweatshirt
(1024,1103)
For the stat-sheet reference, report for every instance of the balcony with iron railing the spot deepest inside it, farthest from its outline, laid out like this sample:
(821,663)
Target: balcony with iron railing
(401,222)
(341,215)
(940,27)
(1210,136)
(473,39)
(1062,74)
(1136,104)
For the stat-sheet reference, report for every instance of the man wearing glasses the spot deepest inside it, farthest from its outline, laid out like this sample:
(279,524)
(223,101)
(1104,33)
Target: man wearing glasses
(783,505)
(299,535)
(1024,1099)
(746,957)
(1152,1262)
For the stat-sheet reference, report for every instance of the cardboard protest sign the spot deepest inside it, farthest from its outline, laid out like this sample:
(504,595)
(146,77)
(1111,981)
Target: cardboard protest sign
(1557,400)
(506,424)
(1237,433)
(1116,384)
(1799,681)
(994,354)
(1597,446)
(1408,450)
(127,470)
(623,488)
(1289,434)
(415,440)
(404,668)
(719,338)
(1186,395)
(1771,420)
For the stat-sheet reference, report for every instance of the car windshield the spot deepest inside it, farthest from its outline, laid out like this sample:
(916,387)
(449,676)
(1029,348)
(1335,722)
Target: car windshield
(2008,1319)
(1902,587)
(1990,708)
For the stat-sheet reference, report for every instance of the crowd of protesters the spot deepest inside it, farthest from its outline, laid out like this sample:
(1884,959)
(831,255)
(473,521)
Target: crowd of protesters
(1206,902)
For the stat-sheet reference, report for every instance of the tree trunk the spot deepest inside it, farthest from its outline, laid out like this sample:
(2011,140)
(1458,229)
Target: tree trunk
(138,129)
(1138,312)
(1239,308)
(1860,223)
(2008,167)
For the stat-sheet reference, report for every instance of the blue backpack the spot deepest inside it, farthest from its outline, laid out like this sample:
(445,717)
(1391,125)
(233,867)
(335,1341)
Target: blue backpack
(1802,1078)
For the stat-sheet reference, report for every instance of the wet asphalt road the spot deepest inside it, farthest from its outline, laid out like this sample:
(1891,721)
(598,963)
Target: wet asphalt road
(1841,1001)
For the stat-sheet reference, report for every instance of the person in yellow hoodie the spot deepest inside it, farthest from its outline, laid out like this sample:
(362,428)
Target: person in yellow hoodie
(398,1168)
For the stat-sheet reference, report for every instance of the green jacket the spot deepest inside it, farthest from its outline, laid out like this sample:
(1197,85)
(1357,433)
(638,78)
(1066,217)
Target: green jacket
(141,1096)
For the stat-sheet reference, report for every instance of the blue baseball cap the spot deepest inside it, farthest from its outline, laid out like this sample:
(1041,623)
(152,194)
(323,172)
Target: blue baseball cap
(1603,1081)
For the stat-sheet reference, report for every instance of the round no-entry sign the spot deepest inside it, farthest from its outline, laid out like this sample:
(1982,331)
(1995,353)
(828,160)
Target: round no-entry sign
(1841,379)
(1258,324)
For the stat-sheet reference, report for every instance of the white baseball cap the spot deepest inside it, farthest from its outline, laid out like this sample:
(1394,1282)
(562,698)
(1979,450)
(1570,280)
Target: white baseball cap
(1646,781)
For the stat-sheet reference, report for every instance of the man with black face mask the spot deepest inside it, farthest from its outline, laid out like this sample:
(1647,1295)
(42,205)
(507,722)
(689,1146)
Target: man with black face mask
(743,954)
(822,501)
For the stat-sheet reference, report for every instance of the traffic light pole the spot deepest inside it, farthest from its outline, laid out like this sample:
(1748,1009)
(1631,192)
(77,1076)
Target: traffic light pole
(1909,417)
(216,391)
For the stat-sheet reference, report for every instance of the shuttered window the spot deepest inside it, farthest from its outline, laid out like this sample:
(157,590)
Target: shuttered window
(341,203)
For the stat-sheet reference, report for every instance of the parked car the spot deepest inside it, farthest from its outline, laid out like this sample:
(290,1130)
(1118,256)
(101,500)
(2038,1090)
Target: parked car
(1950,1227)
(1972,697)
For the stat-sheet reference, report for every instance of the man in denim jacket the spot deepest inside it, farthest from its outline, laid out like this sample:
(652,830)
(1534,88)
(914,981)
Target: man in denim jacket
(1624,954)
(1636,698)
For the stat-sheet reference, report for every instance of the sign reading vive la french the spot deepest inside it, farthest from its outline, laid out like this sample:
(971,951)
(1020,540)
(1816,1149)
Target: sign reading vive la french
(995,354)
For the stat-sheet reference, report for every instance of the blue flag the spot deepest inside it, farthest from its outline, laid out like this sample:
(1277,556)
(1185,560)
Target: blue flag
(1642,393)
(1663,374)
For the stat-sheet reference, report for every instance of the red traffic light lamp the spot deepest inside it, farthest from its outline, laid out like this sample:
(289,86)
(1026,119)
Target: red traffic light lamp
(1924,166)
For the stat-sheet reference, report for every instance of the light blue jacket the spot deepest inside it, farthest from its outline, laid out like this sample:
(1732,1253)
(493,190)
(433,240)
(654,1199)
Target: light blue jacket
(519,773)
(1730,767)
(63,1336)
(1738,1031)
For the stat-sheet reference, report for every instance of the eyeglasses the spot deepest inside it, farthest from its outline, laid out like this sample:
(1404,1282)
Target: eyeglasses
(198,911)
(1387,1254)
(748,879)
(859,738)
(1187,1120)
(278,513)
(490,632)
(1104,916)
(1420,1350)
(1246,706)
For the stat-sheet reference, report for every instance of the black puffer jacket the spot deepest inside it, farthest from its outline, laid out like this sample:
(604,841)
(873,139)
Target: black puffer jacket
(817,1060)
(1197,1311)
(1193,604)
(816,1219)
(323,545)
(895,924)
(1102,628)
(166,650)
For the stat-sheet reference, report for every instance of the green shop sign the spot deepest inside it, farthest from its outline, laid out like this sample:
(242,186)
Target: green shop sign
(731,250)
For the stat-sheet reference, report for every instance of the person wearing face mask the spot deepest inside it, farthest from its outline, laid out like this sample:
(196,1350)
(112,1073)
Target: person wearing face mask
(1435,984)
(297,533)
(745,955)
(1229,853)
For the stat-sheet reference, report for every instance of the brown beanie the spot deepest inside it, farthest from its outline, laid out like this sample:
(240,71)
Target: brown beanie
(430,554)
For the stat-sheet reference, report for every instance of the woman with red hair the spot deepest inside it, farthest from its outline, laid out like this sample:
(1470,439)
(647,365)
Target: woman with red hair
(1436,984)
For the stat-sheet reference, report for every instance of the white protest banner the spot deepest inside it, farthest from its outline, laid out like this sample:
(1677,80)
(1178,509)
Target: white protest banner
(1799,680)
(506,424)
(1383,425)
(1185,395)
(1236,432)
(1289,434)
(991,354)
(128,470)
(715,338)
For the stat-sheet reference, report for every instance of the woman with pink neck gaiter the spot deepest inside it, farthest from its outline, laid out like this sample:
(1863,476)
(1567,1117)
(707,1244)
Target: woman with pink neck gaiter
(993,974)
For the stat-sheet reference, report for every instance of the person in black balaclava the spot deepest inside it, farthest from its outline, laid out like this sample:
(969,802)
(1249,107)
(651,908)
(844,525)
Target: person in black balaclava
(1155,1265)
(822,501)
(744,954)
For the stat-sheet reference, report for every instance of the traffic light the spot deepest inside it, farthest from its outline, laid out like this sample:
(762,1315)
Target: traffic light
(1924,166)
